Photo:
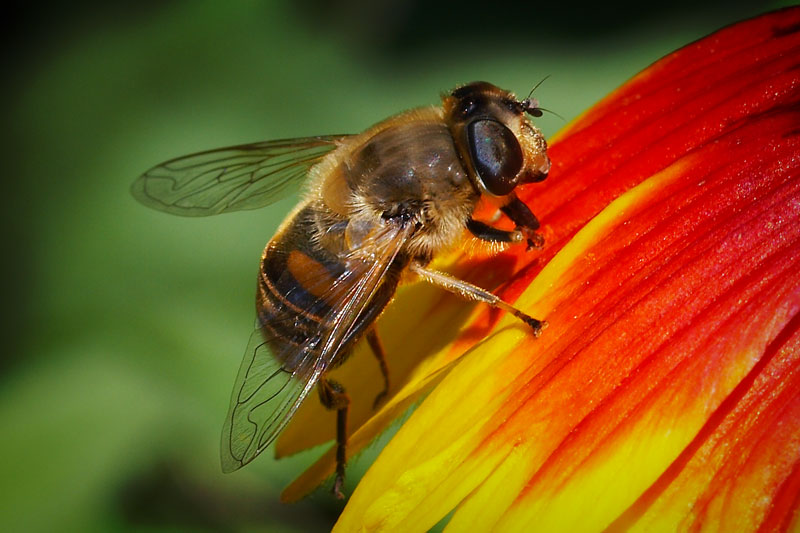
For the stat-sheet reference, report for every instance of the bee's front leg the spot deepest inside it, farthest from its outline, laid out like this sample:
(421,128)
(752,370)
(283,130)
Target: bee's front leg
(333,396)
(521,215)
(526,221)
(485,232)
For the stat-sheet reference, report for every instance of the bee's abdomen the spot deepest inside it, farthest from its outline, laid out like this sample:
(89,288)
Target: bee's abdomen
(300,287)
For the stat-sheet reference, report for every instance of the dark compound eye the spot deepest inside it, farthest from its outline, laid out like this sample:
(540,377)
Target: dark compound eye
(496,155)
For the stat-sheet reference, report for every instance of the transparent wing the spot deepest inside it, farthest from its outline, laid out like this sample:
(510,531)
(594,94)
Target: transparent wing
(271,386)
(240,177)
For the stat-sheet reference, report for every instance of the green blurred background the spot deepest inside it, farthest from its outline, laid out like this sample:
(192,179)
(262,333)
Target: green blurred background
(124,327)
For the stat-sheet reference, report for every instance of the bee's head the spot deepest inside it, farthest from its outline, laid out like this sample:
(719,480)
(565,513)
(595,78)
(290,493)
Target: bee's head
(499,146)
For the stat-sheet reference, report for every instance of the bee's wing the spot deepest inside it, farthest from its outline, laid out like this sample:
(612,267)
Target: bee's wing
(247,176)
(267,393)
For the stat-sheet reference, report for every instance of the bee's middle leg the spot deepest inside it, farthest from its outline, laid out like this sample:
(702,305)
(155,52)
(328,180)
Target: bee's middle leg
(333,396)
(380,354)
(469,291)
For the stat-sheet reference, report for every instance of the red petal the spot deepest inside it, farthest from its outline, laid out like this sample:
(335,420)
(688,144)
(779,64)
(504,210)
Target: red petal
(670,281)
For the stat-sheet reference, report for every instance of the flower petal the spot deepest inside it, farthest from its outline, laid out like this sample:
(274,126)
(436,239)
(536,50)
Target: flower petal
(665,392)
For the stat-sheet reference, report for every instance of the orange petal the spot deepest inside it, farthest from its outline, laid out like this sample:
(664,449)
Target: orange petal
(665,393)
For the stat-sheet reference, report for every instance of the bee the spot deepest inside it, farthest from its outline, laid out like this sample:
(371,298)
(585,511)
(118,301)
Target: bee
(378,207)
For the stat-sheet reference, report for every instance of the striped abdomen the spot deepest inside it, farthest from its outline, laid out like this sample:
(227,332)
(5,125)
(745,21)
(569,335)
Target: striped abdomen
(296,299)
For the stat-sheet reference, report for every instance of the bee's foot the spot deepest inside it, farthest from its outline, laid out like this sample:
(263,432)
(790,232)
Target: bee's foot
(337,487)
(535,242)
(379,399)
(536,325)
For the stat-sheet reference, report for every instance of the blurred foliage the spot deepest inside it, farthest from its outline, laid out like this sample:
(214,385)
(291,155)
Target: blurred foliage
(124,327)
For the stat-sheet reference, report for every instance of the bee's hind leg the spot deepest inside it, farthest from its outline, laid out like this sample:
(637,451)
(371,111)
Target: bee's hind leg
(333,396)
(380,354)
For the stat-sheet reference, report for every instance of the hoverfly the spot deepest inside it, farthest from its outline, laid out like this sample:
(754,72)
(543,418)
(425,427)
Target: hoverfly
(378,204)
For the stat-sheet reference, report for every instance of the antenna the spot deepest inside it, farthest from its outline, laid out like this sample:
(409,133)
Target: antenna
(531,105)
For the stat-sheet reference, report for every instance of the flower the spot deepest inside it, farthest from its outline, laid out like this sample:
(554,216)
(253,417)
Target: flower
(666,392)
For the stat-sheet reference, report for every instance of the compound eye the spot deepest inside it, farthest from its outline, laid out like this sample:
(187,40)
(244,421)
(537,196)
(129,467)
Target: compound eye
(496,155)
